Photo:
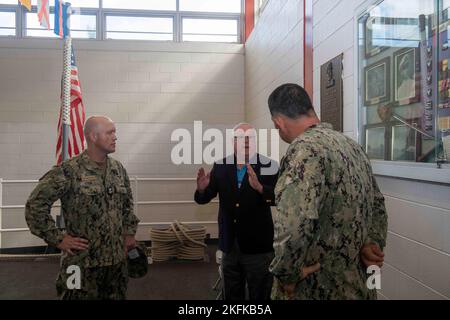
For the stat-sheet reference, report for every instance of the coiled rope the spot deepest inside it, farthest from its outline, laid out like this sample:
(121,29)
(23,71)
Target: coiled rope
(179,241)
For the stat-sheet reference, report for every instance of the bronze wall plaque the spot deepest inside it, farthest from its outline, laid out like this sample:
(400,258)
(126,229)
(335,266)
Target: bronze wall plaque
(331,93)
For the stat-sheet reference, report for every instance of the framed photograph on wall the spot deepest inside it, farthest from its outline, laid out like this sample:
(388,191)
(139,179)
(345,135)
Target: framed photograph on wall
(446,144)
(404,143)
(406,76)
(377,85)
(375,141)
(374,31)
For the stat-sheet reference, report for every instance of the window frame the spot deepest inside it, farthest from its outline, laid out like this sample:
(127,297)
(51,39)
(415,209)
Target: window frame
(208,16)
(134,13)
(101,14)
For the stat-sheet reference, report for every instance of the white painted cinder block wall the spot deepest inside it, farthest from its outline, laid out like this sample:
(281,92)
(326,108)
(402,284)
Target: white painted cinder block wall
(273,56)
(148,89)
(418,247)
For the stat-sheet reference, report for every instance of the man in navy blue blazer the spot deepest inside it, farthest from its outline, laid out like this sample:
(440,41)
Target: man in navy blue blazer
(245,182)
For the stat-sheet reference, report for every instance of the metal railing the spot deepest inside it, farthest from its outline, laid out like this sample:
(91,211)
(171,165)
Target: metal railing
(134,180)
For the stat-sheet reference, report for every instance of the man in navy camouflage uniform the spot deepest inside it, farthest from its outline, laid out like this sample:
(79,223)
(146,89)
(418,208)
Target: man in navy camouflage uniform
(97,206)
(331,220)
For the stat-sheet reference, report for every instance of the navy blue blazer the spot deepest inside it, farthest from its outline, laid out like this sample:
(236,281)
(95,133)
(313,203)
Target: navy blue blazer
(244,213)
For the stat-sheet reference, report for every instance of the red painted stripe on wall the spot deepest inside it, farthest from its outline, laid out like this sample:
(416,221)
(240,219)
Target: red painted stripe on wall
(308,69)
(249,17)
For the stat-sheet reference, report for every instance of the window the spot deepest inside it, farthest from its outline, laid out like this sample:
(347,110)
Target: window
(230,6)
(81,26)
(137,28)
(74,3)
(169,5)
(215,30)
(405,81)
(157,20)
(7,23)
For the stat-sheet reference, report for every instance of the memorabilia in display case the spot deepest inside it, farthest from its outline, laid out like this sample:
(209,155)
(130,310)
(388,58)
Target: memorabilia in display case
(404,77)
(407,76)
(376,137)
(404,143)
(378,76)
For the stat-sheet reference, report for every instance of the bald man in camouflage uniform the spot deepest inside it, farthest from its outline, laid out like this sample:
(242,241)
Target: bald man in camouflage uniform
(331,222)
(97,205)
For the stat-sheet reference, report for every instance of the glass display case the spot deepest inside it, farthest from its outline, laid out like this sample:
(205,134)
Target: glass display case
(404,80)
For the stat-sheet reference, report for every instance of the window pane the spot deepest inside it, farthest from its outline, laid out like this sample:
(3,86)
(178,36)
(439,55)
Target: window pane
(74,3)
(210,38)
(233,6)
(7,19)
(7,23)
(213,30)
(142,28)
(85,23)
(210,26)
(139,36)
(139,24)
(141,4)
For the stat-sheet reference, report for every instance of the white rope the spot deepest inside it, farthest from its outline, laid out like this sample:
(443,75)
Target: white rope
(179,241)
(67,73)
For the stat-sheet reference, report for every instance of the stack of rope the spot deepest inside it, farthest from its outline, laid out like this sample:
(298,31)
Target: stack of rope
(179,241)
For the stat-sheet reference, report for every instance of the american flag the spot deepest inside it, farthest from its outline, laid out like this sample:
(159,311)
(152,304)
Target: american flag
(77,117)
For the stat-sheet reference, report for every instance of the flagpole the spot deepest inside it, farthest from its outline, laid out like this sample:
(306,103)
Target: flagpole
(67,71)
(66,96)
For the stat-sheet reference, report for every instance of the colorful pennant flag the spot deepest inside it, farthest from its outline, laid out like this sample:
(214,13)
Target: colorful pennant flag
(61,18)
(43,9)
(26,4)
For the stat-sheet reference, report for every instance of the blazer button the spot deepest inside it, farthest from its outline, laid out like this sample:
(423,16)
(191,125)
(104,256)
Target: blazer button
(234,220)
(237,205)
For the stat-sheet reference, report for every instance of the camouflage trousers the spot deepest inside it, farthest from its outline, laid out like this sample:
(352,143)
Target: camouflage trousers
(329,285)
(98,283)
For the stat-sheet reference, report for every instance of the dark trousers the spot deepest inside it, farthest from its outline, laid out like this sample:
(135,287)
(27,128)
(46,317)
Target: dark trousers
(240,269)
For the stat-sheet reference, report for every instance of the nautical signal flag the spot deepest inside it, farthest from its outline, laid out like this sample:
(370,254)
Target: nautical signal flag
(61,18)
(26,4)
(43,9)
